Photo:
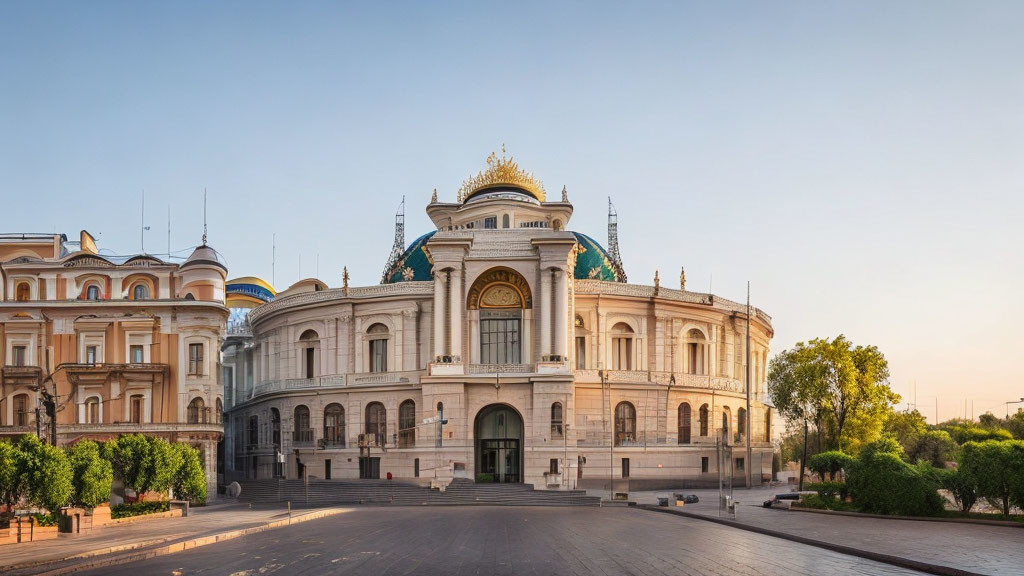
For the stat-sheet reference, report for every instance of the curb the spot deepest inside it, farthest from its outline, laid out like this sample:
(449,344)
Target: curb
(980,521)
(174,546)
(868,555)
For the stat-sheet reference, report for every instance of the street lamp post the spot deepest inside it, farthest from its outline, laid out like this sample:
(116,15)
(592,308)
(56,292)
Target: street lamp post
(1021,401)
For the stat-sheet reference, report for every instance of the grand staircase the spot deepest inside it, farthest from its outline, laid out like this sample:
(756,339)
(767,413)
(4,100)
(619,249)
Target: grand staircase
(460,492)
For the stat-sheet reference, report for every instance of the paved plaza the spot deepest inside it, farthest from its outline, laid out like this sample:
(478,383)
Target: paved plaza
(485,540)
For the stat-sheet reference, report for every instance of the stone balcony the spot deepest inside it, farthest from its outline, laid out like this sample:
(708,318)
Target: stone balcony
(332,381)
(83,374)
(668,379)
(22,376)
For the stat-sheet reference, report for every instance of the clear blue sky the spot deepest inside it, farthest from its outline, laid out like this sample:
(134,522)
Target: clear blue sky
(861,163)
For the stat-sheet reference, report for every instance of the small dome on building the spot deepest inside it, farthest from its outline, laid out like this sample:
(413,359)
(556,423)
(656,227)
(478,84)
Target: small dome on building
(592,261)
(248,292)
(205,255)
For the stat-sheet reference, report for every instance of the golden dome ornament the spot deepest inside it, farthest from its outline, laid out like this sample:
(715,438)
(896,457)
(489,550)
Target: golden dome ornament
(501,172)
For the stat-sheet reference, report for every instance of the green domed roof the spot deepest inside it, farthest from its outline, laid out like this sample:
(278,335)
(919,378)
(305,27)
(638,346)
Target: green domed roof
(592,262)
(415,263)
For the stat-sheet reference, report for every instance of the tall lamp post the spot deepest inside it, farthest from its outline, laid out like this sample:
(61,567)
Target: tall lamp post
(1021,401)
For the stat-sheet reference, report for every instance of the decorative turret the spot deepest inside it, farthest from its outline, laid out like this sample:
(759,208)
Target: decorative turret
(613,242)
(501,173)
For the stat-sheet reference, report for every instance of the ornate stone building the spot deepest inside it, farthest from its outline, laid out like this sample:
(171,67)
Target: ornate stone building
(524,338)
(120,344)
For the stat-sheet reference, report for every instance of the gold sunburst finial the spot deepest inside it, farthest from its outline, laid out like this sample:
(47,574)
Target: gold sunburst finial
(501,171)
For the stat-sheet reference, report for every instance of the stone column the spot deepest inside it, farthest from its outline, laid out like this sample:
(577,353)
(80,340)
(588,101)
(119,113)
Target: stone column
(561,310)
(544,328)
(440,288)
(456,307)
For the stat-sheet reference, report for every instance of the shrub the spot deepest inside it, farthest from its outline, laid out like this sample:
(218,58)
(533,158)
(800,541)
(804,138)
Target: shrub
(934,446)
(881,482)
(189,479)
(829,463)
(964,433)
(92,474)
(12,484)
(998,468)
(484,478)
(884,445)
(138,509)
(45,519)
(165,461)
(131,460)
(46,472)
(821,503)
(963,486)
(829,490)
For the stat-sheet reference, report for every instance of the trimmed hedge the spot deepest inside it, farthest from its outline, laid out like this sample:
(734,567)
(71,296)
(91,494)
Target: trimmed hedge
(881,482)
(138,509)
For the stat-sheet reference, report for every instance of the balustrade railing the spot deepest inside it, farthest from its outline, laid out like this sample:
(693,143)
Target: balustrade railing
(501,368)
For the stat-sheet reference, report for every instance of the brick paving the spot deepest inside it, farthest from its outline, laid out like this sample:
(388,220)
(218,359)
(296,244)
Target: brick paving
(975,548)
(486,540)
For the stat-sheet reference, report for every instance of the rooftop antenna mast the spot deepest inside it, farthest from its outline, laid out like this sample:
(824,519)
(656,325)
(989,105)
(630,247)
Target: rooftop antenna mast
(399,247)
(204,216)
(273,258)
(613,241)
(168,232)
(142,231)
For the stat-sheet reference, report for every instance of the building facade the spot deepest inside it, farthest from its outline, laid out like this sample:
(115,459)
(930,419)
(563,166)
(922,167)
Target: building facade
(120,344)
(504,348)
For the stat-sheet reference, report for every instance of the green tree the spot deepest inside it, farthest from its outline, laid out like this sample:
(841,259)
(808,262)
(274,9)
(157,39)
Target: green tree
(190,479)
(829,463)
(842,388)
(132,461)
(964,432)
(165,461)
(906,427)
(1015,425)
(47,473)
(998,467)
(963,486)
(935,447)
(11,483)
(92,474)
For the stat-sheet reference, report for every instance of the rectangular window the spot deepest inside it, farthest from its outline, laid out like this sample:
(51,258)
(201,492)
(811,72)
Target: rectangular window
(310,358)
(136,354)
(195,359)
(581,353)
(704,460)
(622,353)
(499,341)
(19,355)
(416,468)
(136,409)
(327,469)
(90,355)
(553,466)
(21,410)
(625,467)
(379,355)
(739,464)
(491,223)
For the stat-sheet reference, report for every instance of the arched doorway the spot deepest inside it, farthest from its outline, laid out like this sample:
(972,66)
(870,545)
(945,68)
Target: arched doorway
(498,434)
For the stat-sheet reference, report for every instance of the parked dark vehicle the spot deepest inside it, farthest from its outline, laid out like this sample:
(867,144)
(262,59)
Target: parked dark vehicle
(687,498)
(779,497)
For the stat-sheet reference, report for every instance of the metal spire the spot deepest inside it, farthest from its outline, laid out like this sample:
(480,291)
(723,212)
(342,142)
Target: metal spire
(399,247)
(613,242)
(204,216)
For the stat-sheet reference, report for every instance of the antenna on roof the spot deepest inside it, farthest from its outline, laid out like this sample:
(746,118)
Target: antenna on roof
(204,216)
(273,259)
(614,256)
(142,232)
(168,232)
(399,247)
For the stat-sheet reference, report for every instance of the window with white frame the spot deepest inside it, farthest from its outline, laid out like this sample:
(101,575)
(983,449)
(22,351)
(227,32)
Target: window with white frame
(195,359)
(19,355)
(622,346)
(378,347)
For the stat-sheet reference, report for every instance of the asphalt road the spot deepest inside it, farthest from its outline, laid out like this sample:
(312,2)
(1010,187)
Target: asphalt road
(495,540)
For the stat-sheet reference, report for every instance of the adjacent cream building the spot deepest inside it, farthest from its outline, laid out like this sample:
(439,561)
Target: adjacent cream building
(545,364)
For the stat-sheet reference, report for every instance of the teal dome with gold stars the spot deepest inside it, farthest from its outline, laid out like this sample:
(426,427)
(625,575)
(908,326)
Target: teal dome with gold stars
(592,261)
(415,263)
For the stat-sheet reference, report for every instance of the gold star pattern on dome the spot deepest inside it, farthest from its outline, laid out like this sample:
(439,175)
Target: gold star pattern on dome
(501,172)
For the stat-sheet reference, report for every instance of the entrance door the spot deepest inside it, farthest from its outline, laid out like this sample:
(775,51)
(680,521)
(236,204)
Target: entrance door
(369,468)
(498,433)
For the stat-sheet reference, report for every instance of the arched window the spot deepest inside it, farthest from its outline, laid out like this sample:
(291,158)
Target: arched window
(140,292)
(504,221)
(556,420)
(695,349)
(92,292)
(219,412)
(254,431)
(92,410)
(440,407)
(622,347)
(741,421)
(195,410)
(377,335)
(684,423)
(726,423)
(275,427)
(703,420)
(334,425)
(302,431)
(407,424)
(309,342)
(21,410)
(22,292)
(501,295)
(625,424)
(376,424)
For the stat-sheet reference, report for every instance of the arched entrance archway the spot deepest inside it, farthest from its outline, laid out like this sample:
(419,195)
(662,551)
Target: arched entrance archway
(498,436)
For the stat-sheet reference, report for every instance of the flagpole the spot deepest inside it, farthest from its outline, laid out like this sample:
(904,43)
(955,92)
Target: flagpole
(746,425)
